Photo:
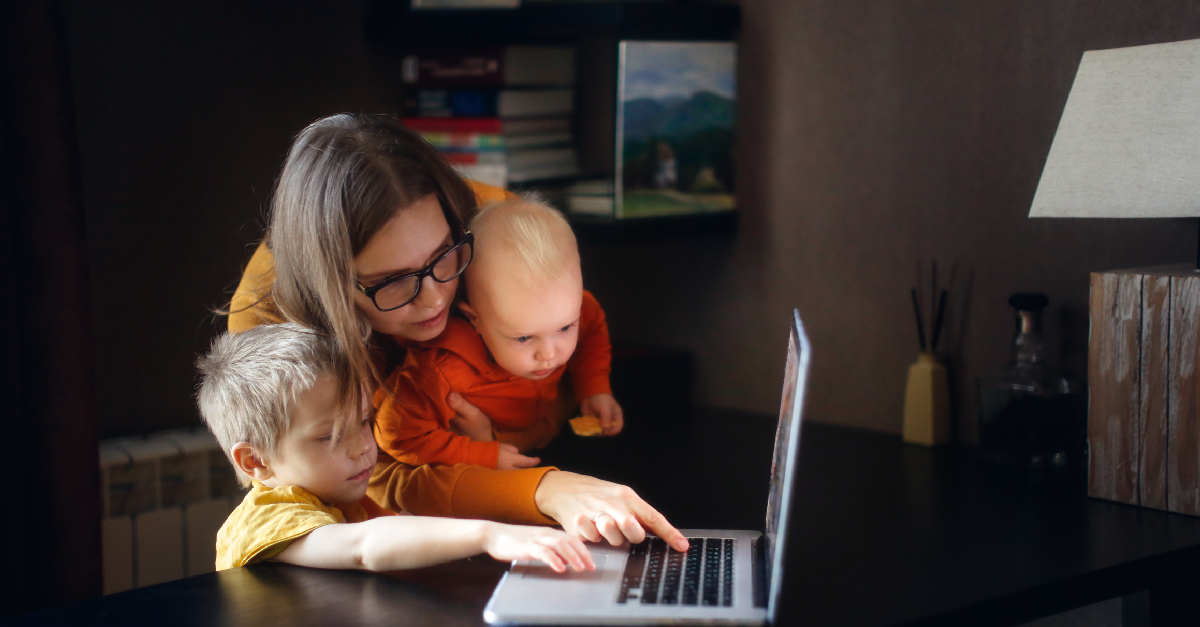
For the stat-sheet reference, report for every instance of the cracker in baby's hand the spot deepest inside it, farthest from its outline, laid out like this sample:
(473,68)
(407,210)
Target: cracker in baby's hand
(586,425)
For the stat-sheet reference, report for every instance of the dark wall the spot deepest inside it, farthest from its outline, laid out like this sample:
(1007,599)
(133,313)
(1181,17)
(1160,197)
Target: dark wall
(873,134)
(185,111)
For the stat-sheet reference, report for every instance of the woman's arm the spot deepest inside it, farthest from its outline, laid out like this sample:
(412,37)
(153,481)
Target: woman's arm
(403,542)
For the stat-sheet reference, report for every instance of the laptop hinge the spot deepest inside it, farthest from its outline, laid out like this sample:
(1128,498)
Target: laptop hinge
(758,566)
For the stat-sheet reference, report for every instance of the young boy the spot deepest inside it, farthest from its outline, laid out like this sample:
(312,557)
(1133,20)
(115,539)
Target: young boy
(270,397)
(527,320)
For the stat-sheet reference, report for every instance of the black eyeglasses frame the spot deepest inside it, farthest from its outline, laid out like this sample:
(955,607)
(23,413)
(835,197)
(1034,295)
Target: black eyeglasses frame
(468,239)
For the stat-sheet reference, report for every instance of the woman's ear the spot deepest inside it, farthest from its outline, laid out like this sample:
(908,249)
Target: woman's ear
(469,312)
(250,462)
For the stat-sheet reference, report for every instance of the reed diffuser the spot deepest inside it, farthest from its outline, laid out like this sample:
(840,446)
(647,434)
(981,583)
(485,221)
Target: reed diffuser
(927,395)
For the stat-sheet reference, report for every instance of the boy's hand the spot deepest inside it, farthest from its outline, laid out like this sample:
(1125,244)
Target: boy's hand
(606,408)
(557,549)
(469,421)
(510,459)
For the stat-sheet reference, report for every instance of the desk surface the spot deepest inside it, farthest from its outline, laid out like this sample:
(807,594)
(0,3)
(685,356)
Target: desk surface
(884,534)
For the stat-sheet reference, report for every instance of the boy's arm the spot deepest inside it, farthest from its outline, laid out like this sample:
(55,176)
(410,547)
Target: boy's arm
(403,542)
(412,423)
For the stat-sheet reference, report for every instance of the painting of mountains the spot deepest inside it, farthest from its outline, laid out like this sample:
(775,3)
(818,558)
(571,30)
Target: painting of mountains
(676,128)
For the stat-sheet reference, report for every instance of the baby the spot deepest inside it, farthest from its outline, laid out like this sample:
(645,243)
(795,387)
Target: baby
(527,321)
(303,444)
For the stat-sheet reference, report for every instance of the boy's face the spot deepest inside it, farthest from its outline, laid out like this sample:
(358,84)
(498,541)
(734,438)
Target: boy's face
(530,331)
(304,457)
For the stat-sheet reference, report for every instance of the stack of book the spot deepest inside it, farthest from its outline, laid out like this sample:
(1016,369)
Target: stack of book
(501,115)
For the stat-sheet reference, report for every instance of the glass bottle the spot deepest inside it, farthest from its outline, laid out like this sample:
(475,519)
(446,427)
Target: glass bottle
(1030,415)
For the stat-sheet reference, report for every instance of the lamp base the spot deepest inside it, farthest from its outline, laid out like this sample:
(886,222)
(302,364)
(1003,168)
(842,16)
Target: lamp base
(1144,388)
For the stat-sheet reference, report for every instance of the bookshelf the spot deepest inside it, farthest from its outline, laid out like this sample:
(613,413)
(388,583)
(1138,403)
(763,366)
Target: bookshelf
(595,30)
(552,22)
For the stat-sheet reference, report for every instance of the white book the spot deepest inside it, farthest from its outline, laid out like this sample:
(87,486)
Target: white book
(492,174)
(591,205)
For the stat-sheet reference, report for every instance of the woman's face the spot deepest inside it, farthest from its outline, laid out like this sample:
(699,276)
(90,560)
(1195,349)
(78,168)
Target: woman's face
(407,243)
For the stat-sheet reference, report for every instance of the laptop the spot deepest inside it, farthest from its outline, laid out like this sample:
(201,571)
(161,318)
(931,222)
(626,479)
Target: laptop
(727,577)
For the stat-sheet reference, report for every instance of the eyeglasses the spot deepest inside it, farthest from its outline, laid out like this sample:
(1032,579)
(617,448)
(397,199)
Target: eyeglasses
(398,291)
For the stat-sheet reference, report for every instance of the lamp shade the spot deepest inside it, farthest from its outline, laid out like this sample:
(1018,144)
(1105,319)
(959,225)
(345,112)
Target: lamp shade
(1128,144)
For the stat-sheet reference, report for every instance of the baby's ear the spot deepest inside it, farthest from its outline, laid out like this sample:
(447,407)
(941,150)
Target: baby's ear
(249,461)
(469,311)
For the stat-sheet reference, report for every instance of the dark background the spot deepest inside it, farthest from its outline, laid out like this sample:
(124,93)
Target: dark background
(872,134)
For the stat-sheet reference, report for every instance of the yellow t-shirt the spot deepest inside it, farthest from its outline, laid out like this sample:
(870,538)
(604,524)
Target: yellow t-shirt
(270,519)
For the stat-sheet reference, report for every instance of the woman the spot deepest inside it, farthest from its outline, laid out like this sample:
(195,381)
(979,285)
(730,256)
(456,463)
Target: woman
(366,243)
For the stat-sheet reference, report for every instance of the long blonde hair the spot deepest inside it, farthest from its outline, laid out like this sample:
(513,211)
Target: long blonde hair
(344,177)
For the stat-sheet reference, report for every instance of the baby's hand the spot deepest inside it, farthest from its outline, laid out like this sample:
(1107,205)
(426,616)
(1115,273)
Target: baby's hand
(606,407)
(510,459)
(557,549)
(468,420)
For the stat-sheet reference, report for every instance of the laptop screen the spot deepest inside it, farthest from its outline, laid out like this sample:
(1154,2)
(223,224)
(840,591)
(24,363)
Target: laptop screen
(783,465)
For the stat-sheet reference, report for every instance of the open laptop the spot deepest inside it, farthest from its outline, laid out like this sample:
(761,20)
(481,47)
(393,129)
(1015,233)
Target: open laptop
(728,577)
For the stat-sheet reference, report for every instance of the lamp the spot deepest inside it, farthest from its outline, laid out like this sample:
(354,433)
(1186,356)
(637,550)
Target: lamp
(1128,146)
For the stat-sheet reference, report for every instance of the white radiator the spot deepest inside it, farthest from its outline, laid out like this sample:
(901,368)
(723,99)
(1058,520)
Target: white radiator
(164,498)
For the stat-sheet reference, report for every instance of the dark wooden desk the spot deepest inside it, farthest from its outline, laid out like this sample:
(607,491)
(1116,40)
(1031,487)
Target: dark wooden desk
(884,534)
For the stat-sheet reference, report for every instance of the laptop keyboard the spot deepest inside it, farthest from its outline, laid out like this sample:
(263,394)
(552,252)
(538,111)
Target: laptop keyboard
(658,574)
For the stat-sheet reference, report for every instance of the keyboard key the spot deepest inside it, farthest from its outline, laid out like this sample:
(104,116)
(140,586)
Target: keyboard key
(712,570)
(691,572)
(650,584)
(634,565)
(727,575)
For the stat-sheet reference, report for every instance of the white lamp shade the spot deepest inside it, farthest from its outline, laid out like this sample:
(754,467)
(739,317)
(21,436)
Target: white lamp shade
(1128,144)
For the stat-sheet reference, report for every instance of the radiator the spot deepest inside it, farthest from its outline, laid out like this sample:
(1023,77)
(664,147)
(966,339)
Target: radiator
(164,497)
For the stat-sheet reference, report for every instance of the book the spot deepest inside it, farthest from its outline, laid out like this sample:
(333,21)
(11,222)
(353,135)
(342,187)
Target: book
(494,174)
(474,157)
(464,141)
(591,205)
(491,126)
(540,140)
(495,66)
(594,197)
(541,163)
(502,103)
(532,126)
(675,128)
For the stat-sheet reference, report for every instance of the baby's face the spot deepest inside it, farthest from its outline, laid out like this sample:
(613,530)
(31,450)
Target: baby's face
(530,331)
(304,457)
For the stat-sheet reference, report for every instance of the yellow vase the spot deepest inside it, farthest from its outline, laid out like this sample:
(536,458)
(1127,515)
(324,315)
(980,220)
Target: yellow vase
(927,402)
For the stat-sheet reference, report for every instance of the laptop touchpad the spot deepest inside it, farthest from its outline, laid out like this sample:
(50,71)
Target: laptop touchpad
(541,571)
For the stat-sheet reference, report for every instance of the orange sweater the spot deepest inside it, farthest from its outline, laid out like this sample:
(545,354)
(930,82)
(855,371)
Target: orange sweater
(460,490)
(413,422)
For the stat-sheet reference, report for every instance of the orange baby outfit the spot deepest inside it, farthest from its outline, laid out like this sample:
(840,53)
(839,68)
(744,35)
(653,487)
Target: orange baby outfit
(412,422)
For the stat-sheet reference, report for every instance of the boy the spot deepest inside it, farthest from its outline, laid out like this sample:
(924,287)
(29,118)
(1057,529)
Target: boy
(306,449)
(527,320)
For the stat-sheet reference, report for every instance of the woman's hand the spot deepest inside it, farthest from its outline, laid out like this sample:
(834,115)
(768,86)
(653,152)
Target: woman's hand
(605,407)
(600,510)
(468,420)
(558,550)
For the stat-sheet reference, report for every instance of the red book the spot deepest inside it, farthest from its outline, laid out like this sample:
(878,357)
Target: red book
(487,126)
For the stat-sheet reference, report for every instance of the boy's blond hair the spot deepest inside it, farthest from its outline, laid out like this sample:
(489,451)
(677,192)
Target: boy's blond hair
(249,383)
(536,239)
